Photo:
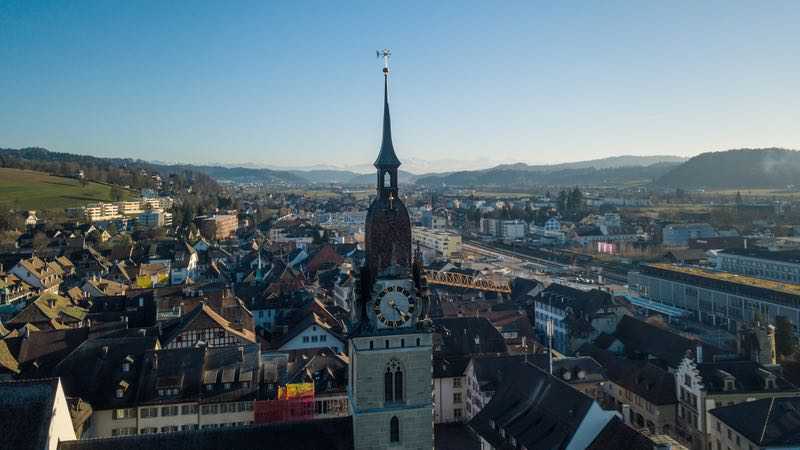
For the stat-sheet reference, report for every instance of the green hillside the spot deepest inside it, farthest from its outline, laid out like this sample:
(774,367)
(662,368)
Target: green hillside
(26,189)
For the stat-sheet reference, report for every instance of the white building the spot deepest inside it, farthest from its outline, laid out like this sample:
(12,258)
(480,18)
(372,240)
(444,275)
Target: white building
(512,229)
(312,332)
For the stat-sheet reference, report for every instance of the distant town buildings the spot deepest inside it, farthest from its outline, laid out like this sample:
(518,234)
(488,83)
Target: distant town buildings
(445,244)
(680,234)
(217,227)
(505,229)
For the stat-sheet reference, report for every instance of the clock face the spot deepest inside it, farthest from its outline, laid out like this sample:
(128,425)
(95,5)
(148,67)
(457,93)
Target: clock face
(394,306)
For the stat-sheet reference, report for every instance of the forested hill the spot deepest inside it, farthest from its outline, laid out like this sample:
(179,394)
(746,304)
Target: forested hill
(511,176)
(736,169)
(135,174)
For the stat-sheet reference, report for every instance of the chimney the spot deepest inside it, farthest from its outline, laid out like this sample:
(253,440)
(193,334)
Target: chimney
(626,414)
(699,354)
(768,352)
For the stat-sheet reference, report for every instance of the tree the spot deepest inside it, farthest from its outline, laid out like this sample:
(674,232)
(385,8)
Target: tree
(785,341)
(116,193)
(11,222)
(39,242)
(562,201)
(575,200)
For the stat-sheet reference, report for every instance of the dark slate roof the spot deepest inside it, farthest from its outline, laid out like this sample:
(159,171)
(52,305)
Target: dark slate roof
(616,435)
(449,366)
(321,366)
(769,422)
(466,336)
(492,370)
(604,340)
(324,434)
(749,376)
(578,369)
(38,352)
(138,306)
(454,436)
(520,287)
(538,410)
(654,384)
(643,340)
(25,413)
(94,370)
(583,302)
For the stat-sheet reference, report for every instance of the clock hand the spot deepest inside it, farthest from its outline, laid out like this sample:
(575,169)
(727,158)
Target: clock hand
(402,313)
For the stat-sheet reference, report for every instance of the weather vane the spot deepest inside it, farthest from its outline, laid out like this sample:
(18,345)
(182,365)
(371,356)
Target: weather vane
(386,53)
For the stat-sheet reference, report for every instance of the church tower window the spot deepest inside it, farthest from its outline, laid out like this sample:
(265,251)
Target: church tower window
(394,429)
(393,382)
(398,386)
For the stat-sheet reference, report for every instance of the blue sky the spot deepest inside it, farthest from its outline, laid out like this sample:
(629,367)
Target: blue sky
(297,83)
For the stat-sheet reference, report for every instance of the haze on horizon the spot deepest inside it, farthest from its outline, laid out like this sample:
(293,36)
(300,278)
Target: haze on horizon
(288,84)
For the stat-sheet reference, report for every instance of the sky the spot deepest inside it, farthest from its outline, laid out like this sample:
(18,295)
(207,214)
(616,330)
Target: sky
(296,83)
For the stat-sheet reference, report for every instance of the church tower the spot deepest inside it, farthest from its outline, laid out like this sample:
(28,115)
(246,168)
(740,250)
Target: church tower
(390,344)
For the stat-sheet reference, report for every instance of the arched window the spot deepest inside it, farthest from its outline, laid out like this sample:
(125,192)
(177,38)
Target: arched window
(388,392)
(398,386)
(393,382)
(394,429)
(387,179)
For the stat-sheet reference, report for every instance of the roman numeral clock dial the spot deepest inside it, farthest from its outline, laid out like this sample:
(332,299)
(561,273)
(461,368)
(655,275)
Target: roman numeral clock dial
(394,306)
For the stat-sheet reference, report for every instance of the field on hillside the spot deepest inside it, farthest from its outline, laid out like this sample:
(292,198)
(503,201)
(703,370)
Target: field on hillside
(26,189)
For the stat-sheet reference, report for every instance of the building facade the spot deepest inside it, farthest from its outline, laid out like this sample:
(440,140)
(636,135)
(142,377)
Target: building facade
(778,266)
(718,299)
(445,244)
(703,386)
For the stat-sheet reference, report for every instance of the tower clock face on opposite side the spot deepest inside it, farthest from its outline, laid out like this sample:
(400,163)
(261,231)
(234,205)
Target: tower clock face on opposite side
(394,306)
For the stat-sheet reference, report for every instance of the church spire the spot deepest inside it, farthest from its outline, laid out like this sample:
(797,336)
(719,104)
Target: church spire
(387,159)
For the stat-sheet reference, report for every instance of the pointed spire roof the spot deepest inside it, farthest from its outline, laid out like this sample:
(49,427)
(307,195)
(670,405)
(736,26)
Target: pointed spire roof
(386,157)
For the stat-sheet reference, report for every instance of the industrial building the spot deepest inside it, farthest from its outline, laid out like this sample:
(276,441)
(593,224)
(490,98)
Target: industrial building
(716,298)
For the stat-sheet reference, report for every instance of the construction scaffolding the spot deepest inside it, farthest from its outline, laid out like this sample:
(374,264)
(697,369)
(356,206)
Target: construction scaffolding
(460,280)
(295,402)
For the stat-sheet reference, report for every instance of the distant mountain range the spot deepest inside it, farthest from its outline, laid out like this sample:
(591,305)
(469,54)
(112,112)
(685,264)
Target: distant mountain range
(743,169)
(600,171)
(614,170)
(612,162)
(736,169)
